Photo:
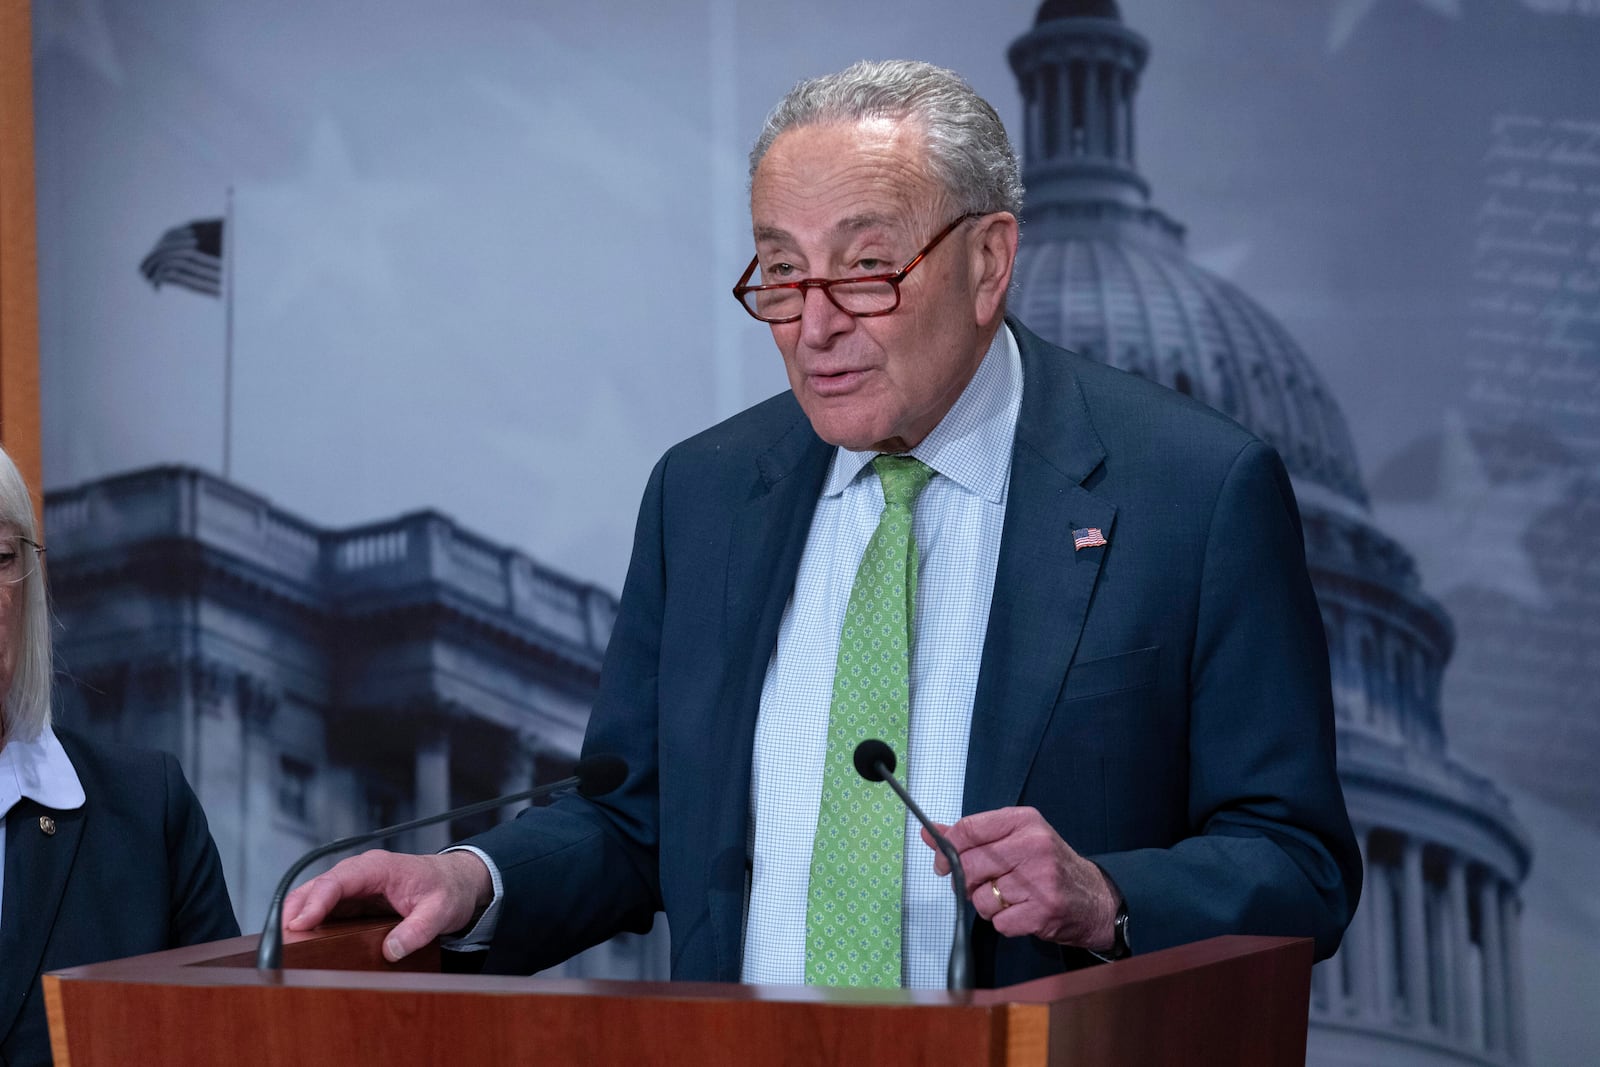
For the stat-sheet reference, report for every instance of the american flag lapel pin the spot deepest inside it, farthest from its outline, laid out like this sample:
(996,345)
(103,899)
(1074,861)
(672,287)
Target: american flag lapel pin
(1088,537)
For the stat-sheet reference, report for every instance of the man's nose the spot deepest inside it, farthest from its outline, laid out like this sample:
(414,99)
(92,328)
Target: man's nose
(821,320)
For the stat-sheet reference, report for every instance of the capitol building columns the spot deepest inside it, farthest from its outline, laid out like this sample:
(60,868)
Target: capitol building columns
(1414,925)
(1434,952)
(1511,934)
(506,760)
(520,771)
(1376,991)
(1462,1007)
(1492,947)
(431,789)
(1362,947)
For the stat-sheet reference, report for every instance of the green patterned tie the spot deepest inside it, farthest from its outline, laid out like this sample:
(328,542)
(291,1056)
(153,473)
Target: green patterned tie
(857,857)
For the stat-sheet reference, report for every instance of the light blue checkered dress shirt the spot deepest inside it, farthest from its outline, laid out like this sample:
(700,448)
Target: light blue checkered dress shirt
(959,518)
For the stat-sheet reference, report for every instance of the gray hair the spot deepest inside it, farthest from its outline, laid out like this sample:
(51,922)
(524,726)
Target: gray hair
(968,150)
(27,704)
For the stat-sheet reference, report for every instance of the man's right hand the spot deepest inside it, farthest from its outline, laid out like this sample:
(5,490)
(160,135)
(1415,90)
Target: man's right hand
(433,895)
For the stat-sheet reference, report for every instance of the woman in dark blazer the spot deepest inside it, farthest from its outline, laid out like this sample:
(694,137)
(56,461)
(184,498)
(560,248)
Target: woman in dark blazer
(105,850)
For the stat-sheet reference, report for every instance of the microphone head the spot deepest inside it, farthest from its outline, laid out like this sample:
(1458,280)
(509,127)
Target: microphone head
(599,775)
(869,754)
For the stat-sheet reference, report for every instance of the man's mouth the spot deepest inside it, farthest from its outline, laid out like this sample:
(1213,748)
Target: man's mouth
(832,383)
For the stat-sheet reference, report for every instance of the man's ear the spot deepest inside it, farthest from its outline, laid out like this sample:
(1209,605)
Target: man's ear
(994,254)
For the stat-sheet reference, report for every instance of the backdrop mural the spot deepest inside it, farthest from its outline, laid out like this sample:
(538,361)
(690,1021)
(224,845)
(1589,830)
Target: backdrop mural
(338,510)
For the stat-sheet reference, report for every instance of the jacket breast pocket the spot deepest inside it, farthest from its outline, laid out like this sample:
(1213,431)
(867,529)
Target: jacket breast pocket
(1110,769)
(1111,674)
(1110,705)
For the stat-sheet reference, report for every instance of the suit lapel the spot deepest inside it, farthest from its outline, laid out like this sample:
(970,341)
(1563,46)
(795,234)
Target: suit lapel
(36,869)
(766,541)
(1042,585)
(769,532)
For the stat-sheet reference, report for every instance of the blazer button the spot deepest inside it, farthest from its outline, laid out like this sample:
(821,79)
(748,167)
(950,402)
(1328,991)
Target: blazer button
(47,824)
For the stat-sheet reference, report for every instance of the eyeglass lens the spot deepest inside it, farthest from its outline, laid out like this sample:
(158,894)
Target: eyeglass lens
(860,298)
(17,559)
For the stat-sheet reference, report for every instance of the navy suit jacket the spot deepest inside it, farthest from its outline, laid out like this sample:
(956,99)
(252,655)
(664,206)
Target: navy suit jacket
(133,870)
(1163,700)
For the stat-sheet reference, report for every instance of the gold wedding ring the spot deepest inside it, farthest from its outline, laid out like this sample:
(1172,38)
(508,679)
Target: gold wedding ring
(999,898)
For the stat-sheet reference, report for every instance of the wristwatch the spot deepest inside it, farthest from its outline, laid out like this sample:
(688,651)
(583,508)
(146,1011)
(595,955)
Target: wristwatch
(1121,948)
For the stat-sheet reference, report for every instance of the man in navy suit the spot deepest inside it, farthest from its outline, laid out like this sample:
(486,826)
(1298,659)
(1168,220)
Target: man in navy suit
(1119,699)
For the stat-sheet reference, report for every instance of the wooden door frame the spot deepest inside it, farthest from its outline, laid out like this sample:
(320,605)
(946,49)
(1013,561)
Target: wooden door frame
(19,286)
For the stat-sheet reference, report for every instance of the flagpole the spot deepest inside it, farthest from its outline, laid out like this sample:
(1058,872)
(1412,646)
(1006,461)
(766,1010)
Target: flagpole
(229,233)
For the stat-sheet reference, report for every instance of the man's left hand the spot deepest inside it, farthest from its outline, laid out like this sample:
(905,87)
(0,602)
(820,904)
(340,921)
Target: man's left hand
(1026,880)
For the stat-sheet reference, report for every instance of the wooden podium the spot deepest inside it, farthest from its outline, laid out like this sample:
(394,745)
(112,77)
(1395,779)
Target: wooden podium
(1238,1001)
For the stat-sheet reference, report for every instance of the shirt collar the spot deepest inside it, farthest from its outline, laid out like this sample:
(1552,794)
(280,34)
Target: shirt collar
(40,771)
(972,443)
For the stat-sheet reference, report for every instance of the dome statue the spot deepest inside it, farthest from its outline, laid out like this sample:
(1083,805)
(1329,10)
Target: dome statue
(1078,9)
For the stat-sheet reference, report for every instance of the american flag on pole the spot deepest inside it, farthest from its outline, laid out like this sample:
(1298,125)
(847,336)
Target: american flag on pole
(1088,537)
(189,255)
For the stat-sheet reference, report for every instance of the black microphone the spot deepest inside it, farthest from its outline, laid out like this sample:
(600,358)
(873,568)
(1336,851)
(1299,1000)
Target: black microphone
(593,776)
(875,762)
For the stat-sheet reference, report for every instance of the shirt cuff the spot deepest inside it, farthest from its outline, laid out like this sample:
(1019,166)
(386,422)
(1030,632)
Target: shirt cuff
(482,932)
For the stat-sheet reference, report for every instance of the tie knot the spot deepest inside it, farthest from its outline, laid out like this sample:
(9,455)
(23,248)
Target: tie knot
(903,477)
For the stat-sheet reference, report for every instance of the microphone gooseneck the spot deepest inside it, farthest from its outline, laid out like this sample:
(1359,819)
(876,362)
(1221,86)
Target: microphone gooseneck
(875,761)
(593,776)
